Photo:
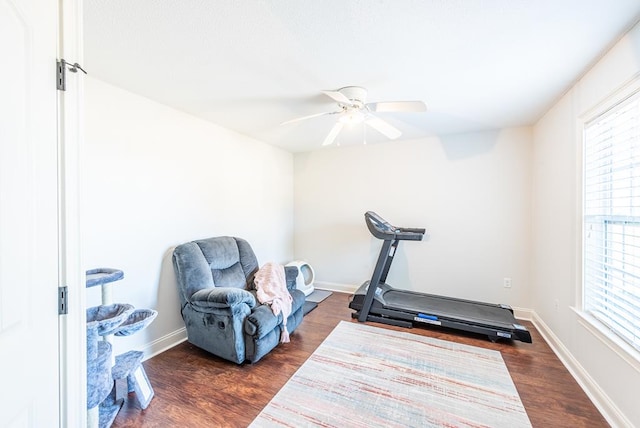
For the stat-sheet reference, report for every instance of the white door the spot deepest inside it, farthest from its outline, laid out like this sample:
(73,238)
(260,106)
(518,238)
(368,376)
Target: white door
(29,379)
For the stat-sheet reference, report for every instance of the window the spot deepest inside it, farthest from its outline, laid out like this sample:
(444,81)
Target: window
(611,219)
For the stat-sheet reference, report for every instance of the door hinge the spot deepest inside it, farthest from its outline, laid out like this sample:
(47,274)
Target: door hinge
(62,300)
(61,73)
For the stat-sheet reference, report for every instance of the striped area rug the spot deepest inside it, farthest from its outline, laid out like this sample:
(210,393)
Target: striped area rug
(364,376)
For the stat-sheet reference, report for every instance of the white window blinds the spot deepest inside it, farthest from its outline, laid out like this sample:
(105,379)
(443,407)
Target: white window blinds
(611,219)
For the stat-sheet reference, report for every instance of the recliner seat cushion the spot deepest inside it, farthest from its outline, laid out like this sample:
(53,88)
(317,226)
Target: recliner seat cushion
(221,297)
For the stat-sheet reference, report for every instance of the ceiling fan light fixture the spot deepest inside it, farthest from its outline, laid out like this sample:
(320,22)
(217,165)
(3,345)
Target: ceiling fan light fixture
(352,117)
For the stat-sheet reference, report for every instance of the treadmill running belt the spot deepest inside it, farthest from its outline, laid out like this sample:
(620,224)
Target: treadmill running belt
(444,307)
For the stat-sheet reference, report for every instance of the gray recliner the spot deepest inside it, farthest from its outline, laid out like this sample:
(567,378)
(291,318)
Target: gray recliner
(219,307)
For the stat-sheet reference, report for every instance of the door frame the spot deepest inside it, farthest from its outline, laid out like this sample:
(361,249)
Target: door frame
(71,326)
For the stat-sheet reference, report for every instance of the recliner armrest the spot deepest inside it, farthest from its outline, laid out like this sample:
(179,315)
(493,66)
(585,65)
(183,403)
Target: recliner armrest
(291,273)
(222,297)
(261,321)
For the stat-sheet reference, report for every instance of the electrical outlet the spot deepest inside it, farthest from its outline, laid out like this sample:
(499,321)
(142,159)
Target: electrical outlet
(556,304)
(507,283)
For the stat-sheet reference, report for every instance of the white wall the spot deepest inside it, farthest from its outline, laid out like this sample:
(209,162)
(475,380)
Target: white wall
(155,177)
(471,192)
(556,231)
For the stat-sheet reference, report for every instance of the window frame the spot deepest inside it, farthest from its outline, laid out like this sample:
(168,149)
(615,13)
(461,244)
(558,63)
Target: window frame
(592,324)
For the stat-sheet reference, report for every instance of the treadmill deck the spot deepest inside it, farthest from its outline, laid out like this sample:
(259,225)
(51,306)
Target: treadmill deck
(444,307)
(495,320)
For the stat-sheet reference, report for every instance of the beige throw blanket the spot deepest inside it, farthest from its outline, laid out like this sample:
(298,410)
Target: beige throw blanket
(271,288)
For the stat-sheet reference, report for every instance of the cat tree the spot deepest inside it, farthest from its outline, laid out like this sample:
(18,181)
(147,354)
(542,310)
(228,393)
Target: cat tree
(109,378)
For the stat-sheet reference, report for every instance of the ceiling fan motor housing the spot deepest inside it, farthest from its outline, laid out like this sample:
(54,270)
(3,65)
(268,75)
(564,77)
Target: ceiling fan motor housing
(356,94)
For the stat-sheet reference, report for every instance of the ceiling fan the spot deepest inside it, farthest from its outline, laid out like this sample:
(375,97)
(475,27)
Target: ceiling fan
(353,108)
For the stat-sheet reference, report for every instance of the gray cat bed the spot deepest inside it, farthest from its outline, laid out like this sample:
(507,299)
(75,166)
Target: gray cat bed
(109,318)
(136,321)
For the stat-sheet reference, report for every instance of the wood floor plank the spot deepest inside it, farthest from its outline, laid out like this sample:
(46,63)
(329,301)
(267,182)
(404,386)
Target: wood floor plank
(196,389)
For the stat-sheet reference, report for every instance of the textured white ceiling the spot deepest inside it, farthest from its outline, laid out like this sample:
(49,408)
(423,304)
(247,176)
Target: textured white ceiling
(249,65)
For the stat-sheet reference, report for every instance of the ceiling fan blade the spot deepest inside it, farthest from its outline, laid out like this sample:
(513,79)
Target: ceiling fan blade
(333,134)
(310,117)
(397,106)
(383,127)
(339,97)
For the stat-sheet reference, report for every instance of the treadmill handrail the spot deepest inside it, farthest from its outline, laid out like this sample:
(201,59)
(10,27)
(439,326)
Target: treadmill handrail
(382,229)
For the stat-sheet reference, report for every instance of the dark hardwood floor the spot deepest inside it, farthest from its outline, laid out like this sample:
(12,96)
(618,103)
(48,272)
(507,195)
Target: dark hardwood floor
(195,389)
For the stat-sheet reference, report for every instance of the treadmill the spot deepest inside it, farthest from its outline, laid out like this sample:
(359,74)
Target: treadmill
(384,304)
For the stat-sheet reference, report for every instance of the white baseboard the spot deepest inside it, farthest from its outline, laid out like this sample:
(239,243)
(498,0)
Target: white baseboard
(603,403)
(163,343)
(523,313)
(335,286)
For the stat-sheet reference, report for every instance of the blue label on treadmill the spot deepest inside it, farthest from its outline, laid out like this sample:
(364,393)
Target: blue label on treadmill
(429,317)
(427,321)
(504,334)
(520,327)
(378,291)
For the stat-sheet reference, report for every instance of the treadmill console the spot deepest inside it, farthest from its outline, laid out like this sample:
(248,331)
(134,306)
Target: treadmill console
(382,229)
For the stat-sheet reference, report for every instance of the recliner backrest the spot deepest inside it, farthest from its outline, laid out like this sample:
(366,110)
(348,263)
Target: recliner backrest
(231,260)
(214,262)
